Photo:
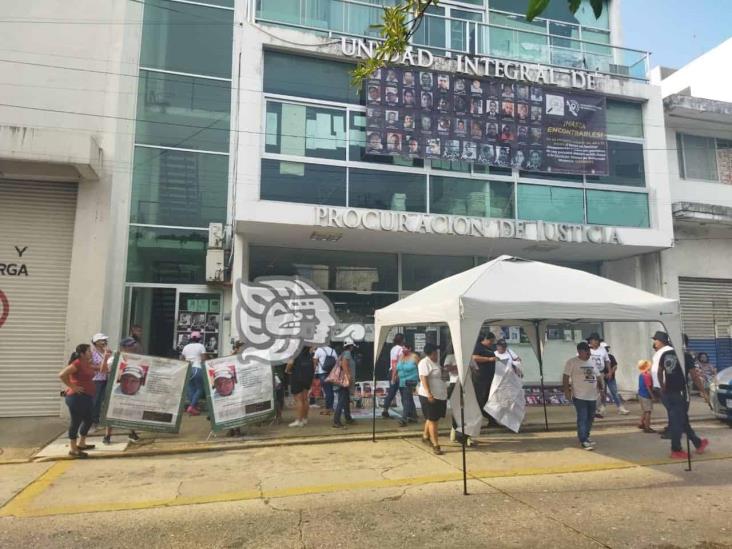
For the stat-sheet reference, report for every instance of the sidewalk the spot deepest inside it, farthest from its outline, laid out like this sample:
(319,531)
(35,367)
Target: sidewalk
(22,438)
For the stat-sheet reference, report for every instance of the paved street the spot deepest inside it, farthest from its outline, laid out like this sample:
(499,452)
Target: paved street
(524,489)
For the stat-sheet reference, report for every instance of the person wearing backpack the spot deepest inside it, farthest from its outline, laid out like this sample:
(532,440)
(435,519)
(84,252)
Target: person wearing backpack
(324,360)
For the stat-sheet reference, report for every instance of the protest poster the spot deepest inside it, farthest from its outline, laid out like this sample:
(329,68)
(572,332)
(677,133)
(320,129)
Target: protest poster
(487,121)
(145,393)
(239,392)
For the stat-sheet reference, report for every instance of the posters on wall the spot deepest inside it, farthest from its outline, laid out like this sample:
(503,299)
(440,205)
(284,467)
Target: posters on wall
(145,393)
(426,114)
(724,162)
(239,392)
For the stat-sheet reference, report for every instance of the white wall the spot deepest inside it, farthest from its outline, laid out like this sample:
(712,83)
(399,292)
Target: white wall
(708,75)
(70,69)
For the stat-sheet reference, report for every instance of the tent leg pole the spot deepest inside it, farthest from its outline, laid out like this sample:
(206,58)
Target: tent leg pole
(541,374)
(373,396)
(463,440)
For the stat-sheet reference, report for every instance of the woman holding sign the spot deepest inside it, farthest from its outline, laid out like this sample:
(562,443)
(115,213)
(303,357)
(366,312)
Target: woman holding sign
(78,376)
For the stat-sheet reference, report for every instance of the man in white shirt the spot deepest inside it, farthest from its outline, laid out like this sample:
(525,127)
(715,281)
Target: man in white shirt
(601,360)
(395,356)
(195,353)
(321,353)
(581,374)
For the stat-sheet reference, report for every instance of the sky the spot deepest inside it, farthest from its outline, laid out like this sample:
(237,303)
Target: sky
(675,31)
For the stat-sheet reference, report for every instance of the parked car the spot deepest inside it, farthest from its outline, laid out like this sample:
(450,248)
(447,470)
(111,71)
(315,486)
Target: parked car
(720,395)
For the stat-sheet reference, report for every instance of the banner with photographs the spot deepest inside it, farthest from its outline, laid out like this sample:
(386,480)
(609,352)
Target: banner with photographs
(145,393)
(238,392)
(426,114)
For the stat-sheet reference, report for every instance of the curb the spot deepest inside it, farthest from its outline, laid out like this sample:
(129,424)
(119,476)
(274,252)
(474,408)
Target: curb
(200,448)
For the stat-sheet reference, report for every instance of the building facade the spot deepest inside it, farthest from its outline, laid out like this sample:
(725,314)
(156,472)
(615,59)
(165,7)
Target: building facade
(162,117)
(698,111)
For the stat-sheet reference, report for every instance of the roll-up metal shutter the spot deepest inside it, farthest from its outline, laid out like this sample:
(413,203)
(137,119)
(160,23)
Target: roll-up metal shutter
(36,236)
(706,316)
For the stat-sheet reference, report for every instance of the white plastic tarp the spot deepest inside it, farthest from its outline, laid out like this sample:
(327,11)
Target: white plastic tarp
(506,402)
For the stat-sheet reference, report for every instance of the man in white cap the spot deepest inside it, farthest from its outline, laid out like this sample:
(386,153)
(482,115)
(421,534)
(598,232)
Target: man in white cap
(224,382)
(100,357)
(131,380)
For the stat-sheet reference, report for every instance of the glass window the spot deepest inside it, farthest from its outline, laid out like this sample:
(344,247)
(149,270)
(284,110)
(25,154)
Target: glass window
(303,183)
(528,42)
(626,165)
(558,11)
(185,112)
(379,190)
(431,32)
(170,256)
(327,269)
(472,197)
(624,119)
(617,208)
(301,130)
(564,36)
(187,38)
(181,188)
(419,271)
(302,76)
(357,146)
(539,202)
(700,159)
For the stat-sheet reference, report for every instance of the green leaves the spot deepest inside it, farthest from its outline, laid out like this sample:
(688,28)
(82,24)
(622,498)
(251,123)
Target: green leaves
(537,7)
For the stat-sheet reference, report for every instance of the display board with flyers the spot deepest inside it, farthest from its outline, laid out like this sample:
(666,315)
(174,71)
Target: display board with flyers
(416,113)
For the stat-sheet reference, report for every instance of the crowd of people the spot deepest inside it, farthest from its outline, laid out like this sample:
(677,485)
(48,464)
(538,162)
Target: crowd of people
(588,379)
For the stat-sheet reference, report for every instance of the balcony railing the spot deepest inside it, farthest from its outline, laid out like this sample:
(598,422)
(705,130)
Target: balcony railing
(446,36)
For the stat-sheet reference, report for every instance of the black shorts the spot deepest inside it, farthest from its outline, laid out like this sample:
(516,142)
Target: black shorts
(434,410)
(300,384)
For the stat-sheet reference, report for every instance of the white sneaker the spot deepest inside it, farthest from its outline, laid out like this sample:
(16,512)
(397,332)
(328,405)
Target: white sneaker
(623,411)
(296,423)
(453,436)
(587,446)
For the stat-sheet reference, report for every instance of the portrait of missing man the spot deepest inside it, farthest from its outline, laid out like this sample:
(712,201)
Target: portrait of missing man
(518,160)
(131,379)
(391,94)
(461,127)
(492,109)
(391,76)
(182,340)
(408,99)
(503,156)
(452,149)
(376,75)
(493,89)
(522,92)
(486,154)
(507,109)
(476,105)
(212,323)
(537,94)
(374,93)
(491,131)
(408,79)
(184,321)
(425,123)
(507,90)
(212,343)
(373,143)
(522,134)
(476,129)
(443,103)
(444,124)
(393,142)
(470,151)
(443,82)
(223,381)
(535,114)
(459,86)
(554,105)
(508,133)
(476,87)
(198,321)
(425,80)
(534,162)
(409,121)
(522,112)
(425,100)
(460,104)
(432,148)
(411,146)
(535,136)
(392,119)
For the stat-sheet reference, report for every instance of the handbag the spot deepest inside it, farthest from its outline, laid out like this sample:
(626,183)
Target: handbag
(337,376)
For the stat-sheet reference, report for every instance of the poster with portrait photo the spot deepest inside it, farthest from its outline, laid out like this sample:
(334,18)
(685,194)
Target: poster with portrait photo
(374,144)
(394,143)
(211,343)
(522,134)
(409,79)
(374,117)
(476,129)
(461,127)
(182,340)
(408,122)
(486,154)
(392,76)
(212,323)
(460,104)
(470,151)
(432,148)
(239,392)
(452,149)
(491,131)
(392,119)
(409,99)
(145,393)
(522,112)
(411,146)
(373,93)
(391,96)
(426,80)
(460,87)
(443,103)
(426,124)
(184,320)
(198,321)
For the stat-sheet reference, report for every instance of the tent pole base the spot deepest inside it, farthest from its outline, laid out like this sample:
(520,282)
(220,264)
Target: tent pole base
(463,439)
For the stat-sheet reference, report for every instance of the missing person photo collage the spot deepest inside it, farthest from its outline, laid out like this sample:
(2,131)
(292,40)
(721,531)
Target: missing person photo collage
(419,113)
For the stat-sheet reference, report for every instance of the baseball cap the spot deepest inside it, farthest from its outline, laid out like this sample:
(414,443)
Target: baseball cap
(128,342)
(196,334)
(99,337)
(661,336)
(349,341)
(223,373)
(132,370)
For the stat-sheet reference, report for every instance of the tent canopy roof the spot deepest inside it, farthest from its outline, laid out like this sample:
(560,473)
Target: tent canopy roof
(518,289)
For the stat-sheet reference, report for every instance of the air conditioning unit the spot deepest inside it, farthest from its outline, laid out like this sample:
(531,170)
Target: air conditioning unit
(215,236)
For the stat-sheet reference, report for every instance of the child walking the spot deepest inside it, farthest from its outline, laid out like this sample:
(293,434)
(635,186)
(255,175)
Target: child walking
(645,395)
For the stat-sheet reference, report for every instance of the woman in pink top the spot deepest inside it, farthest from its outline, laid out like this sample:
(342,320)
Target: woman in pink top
(78,376)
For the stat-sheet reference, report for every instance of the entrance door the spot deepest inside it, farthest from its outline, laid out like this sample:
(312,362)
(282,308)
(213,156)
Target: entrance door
(154,310)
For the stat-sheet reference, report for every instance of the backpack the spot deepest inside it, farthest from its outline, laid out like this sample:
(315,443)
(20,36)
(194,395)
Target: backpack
(329,362)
